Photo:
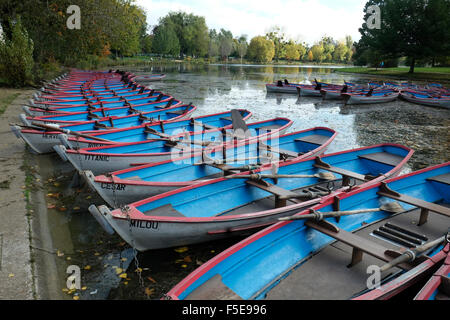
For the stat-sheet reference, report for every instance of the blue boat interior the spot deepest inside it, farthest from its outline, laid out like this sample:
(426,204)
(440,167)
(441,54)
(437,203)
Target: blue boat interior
(297,261)
(195,168)
(254,129)
(129,121)
(172,128)
(146,105)
(237,196)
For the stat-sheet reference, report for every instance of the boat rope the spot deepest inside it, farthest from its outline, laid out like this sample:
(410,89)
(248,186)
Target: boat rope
(125,209)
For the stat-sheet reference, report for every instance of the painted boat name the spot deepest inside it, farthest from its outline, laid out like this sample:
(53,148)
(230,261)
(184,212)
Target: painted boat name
(116,187)
(96,157)
(144,224)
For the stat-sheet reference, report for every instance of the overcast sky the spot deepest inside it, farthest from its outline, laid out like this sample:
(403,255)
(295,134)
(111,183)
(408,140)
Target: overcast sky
(305,20)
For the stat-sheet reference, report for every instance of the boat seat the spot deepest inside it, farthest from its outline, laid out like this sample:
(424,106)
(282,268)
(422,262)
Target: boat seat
(136,178)
(269,127)
(443,178)
(383,157)
(277,191)
(168,211)
(213,289)
(314,138)
(426,206)
(178,112)
(284,152)
(344,173)
(226,119)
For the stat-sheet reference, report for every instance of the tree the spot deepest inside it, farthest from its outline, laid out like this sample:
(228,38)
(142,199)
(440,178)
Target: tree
(261,49)
(340,52)
(413,28)
(16,55)
(241,46)
(292,52)
(225,43)
(310,56)
(318,52)
(278,37)
(165,40)
(191,31)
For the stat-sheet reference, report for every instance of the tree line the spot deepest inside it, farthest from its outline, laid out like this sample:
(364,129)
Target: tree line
(415,30)
(182,34)
(35,34)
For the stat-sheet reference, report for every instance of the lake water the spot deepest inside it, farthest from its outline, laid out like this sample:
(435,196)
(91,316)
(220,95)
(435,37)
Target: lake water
(217,88)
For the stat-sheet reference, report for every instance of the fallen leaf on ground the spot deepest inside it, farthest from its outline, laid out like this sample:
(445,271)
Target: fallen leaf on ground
(187,259)
(181,250)
(149,291)
(76,298)
(11,275)
(119,270)
(87,267)
(51,206)
(151,279)
(123,275)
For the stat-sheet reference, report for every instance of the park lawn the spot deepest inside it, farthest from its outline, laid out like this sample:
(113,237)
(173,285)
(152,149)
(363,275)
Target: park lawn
(6,97)
(420,73)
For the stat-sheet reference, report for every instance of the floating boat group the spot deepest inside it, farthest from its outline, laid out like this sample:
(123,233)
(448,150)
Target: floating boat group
(315,222)
(432,95)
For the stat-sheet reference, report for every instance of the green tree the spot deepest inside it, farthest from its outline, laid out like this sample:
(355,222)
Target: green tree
(225,43)
(416,29)
(278,37)
(241,46)
(16,55)
(340,52)
(165,40)
(292,52)
(318,52)
(261,49)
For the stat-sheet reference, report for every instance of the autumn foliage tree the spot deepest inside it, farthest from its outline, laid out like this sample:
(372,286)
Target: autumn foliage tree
(261,49)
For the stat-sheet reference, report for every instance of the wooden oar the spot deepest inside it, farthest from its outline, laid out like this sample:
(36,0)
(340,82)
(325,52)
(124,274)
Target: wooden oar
(392,207)
(257,176)
(70,132)
(411,254)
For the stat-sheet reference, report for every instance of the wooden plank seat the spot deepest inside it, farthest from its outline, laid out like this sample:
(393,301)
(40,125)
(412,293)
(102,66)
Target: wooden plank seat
(426,206)
(169,211)
(269,127)
(314,139)
(359,244)
(285,152)
(168,104)
(226,118)
(383,157)
(346,174)
(215,289)
(443,178)
(205,126)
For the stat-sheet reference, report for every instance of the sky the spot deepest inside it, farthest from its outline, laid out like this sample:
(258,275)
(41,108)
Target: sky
(301,20)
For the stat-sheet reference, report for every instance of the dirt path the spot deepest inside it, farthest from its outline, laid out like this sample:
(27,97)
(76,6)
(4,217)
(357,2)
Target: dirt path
(16,270)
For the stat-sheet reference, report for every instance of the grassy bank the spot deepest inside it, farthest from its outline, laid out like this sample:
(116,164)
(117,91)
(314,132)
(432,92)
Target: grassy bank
(6,97)
(420,73)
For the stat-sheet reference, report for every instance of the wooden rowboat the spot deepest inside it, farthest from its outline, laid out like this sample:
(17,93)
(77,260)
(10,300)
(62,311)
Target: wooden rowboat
(43,141)
(145,132)
(332,251)
(375,97)
(134,184)
(116,157)
(424,99)
(438,287)
(141,106)
(235,204)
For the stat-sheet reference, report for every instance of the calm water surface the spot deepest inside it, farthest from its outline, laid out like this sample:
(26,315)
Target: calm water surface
(217,88)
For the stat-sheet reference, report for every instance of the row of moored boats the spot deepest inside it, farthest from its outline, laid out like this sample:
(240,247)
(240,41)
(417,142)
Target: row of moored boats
(169,178)
(434,95)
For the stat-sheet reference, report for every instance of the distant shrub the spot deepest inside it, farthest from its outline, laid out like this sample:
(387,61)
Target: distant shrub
(16,56)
